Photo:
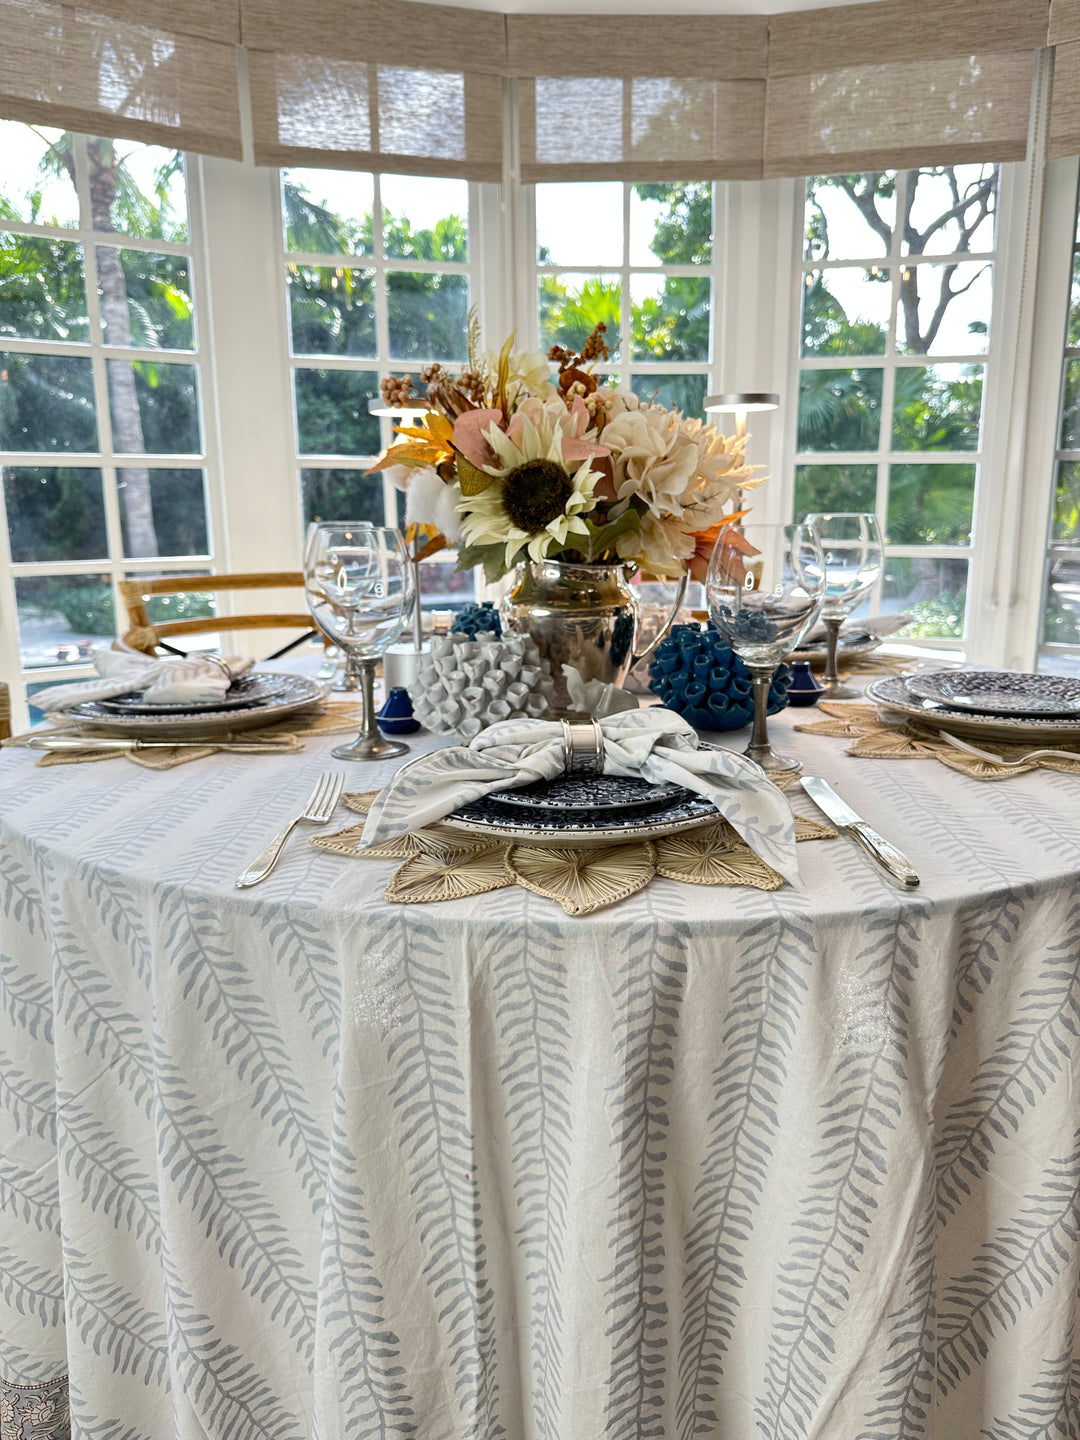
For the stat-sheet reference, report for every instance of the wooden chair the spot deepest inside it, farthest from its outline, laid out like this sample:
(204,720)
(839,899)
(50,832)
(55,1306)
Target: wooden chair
(5,711)
(146,635)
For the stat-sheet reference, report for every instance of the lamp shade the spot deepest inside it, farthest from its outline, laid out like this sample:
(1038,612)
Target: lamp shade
(744,400)
(378,406)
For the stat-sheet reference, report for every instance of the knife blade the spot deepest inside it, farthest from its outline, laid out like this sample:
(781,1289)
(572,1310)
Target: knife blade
(892,860)
(60,743)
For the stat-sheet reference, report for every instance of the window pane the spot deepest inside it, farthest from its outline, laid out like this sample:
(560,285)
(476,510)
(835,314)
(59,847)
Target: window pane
(1066,522)
(329,212)
(425,219)
(163,512)
(342,495)
(930,504)
(1074,305)
(951,210)
(332,412)
(580,222)
(937,407)
(35,179)
(944,309)
(47,403)
(55,514)
(846,312)
(191,605)
(849,217)
(834,487)
(428,315)
(935,591)
(1070,409)
(137,189)
(155,408)
(145,299)
(42,289)
(571,305)
(61,616)
(1061,618)
(684,392)
(332,311)
(442,583)
(671,318)
(839,409)
(670,224)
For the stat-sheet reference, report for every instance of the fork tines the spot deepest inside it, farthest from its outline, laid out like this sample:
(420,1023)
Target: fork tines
(325,796)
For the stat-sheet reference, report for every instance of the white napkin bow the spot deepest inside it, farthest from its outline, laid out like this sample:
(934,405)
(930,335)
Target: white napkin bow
(191,679)
(654,744)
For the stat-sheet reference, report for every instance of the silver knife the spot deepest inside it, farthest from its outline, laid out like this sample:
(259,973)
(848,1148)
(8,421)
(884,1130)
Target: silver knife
(58,743)
(844,818)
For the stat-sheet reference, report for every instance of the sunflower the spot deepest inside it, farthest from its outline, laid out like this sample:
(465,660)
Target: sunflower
(535,502)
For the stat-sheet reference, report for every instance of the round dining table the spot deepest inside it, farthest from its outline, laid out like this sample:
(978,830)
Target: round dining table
(297,1162)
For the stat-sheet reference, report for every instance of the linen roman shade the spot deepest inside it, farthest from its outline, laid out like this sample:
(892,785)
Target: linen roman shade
(133,69)
(376,85)
(900,83)
(1065,114)
(639,97)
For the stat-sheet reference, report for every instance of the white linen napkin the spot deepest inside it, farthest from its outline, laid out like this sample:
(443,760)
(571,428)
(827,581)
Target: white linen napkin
(191,679)
(654,744)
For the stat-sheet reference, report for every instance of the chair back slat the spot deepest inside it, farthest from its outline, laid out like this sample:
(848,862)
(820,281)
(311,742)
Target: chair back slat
(144,634)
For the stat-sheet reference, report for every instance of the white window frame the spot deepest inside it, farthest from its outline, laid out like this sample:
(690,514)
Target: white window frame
(114,565)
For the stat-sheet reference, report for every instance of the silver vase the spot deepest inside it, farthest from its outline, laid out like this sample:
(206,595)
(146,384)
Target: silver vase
(585,616)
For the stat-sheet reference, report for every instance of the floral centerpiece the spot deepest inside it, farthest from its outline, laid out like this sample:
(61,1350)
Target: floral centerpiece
(522,457)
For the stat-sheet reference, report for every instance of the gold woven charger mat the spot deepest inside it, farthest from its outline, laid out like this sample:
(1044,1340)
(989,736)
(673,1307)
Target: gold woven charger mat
(332,719)
(876,739)
(439,863)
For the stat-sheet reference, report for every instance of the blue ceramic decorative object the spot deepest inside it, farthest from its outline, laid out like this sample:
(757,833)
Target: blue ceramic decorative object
(703,680)
(472,619)
(396,716)
(804,688)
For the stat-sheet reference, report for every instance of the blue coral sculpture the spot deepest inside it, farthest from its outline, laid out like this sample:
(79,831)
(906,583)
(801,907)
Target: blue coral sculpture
(471,619)
(699,677)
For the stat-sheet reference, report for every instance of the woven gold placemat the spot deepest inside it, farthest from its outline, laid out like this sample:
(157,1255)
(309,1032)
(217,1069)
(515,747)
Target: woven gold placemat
(332,719)
(873,738)
(440,864)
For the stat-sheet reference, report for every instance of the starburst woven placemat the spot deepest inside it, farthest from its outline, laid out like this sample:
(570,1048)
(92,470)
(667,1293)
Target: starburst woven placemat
(439,864)
(873,738)
(334,719)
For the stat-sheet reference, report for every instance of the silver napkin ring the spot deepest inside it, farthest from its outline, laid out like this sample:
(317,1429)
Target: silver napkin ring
(584,747)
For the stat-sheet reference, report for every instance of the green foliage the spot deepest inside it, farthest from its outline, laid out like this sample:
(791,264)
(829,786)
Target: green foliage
(86,605)
(55,514)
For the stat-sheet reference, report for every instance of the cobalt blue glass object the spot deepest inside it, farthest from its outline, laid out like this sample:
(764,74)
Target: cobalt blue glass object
(805,688)
(396,716)
(473,619)
(700,677)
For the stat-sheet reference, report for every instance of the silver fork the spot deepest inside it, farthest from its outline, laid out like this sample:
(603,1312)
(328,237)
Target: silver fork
(317,811)
(1008,764)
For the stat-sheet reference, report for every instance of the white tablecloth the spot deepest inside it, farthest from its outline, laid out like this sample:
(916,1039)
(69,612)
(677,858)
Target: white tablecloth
(294,1162)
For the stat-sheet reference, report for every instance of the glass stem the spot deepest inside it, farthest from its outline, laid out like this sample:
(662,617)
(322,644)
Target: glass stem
(369,730)
(418,614)
(832,636)
(761,680)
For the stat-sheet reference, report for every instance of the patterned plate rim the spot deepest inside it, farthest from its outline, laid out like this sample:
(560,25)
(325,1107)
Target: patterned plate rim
(936,686)
(182,708)
(666,791)
(892,692)
(845,652)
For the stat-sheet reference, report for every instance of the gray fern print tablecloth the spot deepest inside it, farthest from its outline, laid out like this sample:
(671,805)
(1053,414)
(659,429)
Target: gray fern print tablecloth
(296,1163)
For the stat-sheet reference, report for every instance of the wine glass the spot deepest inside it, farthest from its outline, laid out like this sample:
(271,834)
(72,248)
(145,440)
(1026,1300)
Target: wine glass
(763,597)
(851,543)
(360,592)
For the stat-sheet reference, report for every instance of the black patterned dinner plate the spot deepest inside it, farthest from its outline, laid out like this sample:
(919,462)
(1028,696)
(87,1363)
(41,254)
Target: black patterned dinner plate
(490,817)
(1000,692)
(575,793)
(248,690)
(296,693)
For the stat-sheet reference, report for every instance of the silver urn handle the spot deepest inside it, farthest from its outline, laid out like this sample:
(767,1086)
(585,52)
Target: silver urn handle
(668,623)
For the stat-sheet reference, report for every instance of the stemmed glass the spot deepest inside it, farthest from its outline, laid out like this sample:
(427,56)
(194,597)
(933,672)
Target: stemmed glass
(359,586)
(851,543)
(763,597)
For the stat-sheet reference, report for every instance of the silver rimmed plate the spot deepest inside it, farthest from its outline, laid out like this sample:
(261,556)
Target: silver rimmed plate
(893,694)
(1001,692)
(590,792)
(848,647)
(296,693)
(488,818)
(248,690)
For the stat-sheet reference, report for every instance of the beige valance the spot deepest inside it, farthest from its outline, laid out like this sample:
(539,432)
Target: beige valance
(1064,21)
(900,83)
(1065,115)
(410,88)
(126,68)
